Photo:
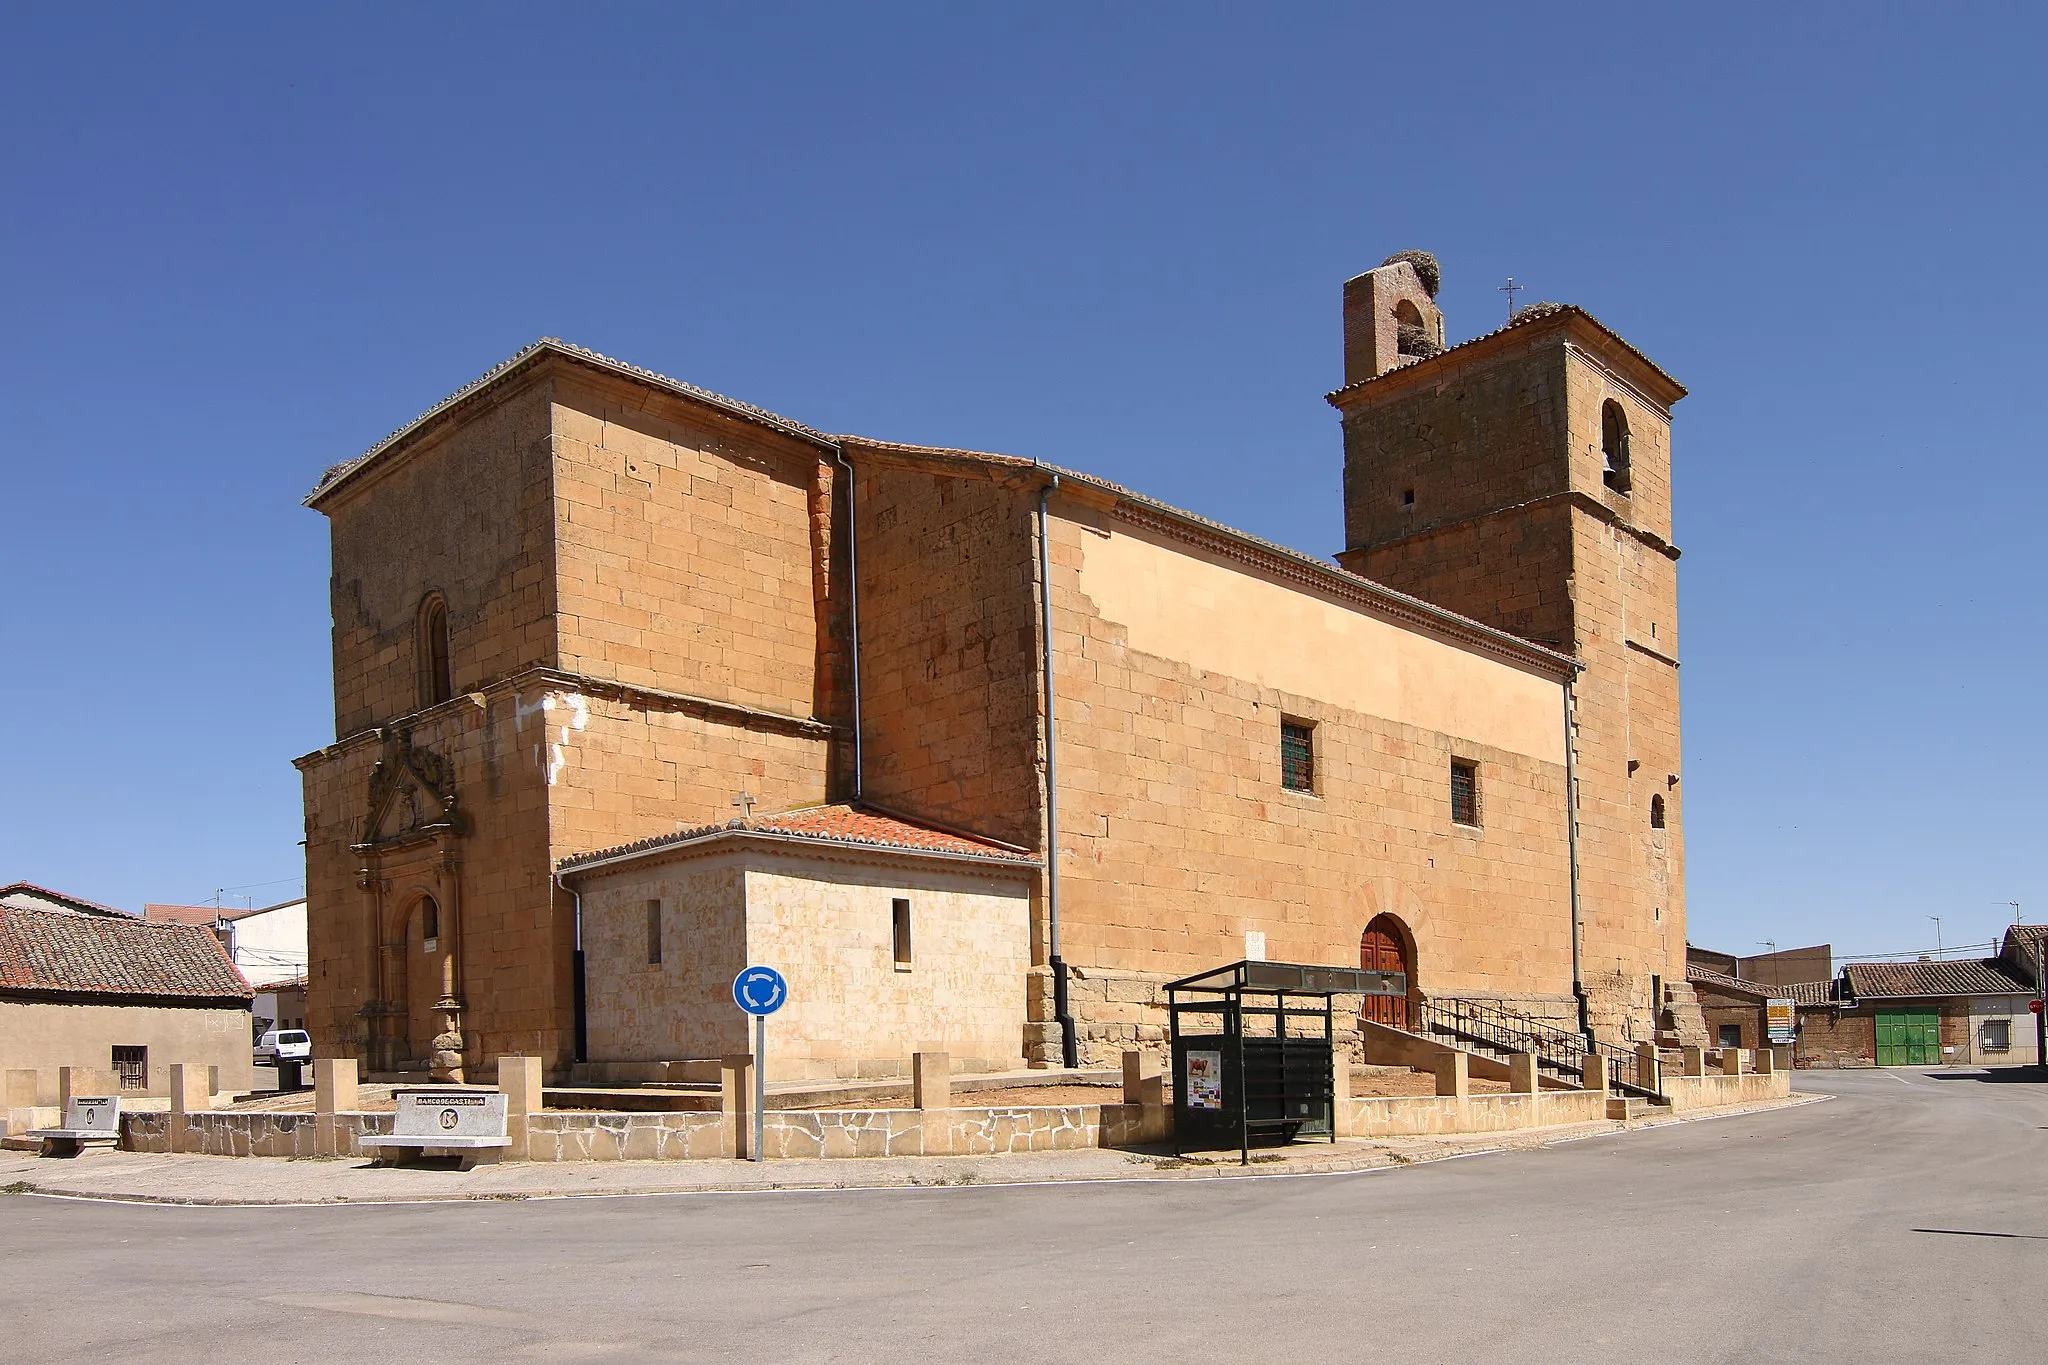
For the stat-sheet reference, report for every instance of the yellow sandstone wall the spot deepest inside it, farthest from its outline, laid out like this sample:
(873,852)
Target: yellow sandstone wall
(44,1036)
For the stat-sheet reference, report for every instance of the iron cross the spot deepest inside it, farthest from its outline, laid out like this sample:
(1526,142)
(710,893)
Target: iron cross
(744,804)
(1511,289)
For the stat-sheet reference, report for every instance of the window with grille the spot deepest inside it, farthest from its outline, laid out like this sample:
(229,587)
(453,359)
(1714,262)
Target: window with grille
(1297,756)
(1464,792)
(899,929)
(131,1065)
(1997,1035)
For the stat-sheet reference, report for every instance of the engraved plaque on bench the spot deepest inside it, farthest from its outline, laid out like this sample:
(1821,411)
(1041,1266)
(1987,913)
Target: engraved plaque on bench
(429,1115)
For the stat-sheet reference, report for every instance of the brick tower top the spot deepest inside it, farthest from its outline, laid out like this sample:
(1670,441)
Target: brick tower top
(1390,316)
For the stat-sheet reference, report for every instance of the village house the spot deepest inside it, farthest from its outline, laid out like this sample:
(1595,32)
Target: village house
(636,683)
(117,998)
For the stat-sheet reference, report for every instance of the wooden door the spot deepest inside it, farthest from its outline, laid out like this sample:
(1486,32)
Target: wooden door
(1382,948)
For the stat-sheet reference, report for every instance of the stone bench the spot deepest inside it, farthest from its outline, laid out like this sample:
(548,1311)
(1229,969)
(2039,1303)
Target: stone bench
(89,1121)
(465,1123)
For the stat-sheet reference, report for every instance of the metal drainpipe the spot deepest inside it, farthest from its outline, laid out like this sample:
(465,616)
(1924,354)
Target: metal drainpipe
(853,605)
(1571,835)
(1070,1053)
(579,1001)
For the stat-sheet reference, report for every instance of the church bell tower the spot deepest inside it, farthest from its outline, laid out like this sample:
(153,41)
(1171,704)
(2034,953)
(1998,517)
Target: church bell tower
(1523,479)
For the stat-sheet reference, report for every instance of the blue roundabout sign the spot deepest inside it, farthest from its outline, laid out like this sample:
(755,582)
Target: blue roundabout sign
(759,990)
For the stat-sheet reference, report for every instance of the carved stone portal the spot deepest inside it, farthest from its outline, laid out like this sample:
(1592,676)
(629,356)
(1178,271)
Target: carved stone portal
(412,793)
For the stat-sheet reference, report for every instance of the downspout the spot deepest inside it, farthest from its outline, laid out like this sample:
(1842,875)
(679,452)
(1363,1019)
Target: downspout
(1070,1054)
(852,605)
(578,1001)
(1571,837)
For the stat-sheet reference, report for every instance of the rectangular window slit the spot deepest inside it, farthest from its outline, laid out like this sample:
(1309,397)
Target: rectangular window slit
(654,933)
(899,925)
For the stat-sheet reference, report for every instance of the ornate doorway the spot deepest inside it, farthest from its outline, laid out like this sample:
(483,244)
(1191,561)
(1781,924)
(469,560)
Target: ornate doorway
(1384,947)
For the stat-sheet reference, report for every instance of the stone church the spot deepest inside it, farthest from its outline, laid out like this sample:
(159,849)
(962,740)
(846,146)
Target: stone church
(635,684)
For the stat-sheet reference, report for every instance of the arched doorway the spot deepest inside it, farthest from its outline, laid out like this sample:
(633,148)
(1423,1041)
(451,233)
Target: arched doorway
(1385,947)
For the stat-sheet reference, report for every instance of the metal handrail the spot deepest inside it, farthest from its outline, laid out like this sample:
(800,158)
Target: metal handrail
(1561,1053)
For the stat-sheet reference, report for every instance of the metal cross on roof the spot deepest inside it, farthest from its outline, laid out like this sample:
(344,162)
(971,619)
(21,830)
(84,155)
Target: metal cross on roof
(1511,289)
(744,804)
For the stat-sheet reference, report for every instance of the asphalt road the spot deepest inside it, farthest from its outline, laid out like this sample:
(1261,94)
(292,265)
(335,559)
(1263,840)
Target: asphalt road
(1903,1221)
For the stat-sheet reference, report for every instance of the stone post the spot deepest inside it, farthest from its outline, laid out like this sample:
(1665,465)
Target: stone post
(21,1088)
(1695,1061)
(1340,1094)
(1766,1061)
(1593,1072)
(1454,1075)
(931,1080)
(520,1079)
(334,1094)
(1649,1066)
(736,1102)
(83,1080)
(189,1096)
(1522,1073)
(1731,1061)
(1134,1076)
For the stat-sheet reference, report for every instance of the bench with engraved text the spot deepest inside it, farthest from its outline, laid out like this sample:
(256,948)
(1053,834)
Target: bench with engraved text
(89,1120)
(466,1123)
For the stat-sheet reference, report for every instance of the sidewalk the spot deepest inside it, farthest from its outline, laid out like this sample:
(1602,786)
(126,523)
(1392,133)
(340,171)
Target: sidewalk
(186,1179)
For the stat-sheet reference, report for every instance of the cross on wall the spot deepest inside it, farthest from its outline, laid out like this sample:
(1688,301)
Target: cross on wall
(744,804)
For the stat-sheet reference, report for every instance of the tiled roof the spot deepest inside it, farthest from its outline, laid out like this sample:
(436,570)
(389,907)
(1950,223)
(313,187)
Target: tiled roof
(181,914)
(1975,976)
(94,955)
(553,346)
(836,824)
(29,896)
(1721,981)
(1527,317)
(1813,992)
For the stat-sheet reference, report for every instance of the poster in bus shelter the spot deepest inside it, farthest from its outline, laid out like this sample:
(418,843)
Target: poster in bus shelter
(1205,1080)
(1780,1022)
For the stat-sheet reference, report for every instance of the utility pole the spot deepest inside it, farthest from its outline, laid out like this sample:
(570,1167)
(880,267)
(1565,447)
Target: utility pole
(2040,990)
(1937,934)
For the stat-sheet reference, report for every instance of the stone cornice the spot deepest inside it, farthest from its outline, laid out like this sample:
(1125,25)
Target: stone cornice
(559,680)
(807,848)
(1585,502)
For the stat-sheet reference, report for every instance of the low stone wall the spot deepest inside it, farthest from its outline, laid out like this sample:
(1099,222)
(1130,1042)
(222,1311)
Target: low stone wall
(1443,1115)
(1712,1092)
(558,1135)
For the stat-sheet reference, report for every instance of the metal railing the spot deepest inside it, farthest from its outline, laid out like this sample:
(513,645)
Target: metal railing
(1558,1052)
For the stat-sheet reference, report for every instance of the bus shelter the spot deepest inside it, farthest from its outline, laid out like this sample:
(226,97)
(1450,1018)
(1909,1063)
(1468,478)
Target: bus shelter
(1254,1051)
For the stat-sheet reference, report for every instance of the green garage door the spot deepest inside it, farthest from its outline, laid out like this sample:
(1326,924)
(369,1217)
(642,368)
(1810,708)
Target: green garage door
(1908,1038)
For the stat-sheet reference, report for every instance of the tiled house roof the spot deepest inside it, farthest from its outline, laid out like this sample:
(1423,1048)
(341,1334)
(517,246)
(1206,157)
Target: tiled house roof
(29,896)
(1799,992)
(182,914)
(1976,976)
(45,953)
(825,825)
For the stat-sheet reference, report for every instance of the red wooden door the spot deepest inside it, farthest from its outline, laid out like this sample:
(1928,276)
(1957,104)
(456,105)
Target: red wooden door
(1380,950)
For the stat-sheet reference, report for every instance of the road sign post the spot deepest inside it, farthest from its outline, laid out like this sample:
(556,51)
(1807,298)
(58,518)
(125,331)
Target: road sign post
(760,991)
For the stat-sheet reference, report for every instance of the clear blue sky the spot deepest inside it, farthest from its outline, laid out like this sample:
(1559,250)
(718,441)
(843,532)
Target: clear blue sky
(239,246)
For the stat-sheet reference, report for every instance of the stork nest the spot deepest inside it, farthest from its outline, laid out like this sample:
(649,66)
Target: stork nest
(1536,310)
(1411,338)
(1425,265)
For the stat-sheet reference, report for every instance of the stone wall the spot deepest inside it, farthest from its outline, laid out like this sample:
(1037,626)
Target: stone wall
(44,1036)
(1687,1093)
(1443,1115)
(1175,667)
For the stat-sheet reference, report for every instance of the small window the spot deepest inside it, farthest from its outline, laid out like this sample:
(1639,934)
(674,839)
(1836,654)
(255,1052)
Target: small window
(1297,756)
(654,933)
(430,922)
(1998,1035)
(1656,812)
(131,1065)
(1614,446)
(1731,1035)
(1464,792)
(1407,497)
(437,682)
(899,926)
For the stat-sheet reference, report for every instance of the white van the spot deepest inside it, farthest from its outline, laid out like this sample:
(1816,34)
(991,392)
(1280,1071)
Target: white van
(284,1045)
